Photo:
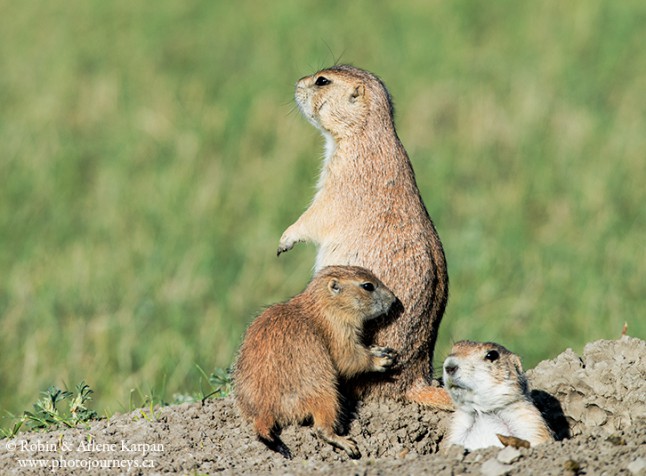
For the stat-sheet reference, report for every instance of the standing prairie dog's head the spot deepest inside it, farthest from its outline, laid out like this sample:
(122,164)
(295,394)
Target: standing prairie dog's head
(351,292)
(483,377)
(342,100)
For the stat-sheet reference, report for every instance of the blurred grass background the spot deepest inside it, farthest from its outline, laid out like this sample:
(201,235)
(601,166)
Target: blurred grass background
(152,157)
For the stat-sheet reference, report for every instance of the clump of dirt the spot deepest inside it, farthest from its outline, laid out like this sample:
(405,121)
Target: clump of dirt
(598,398)
(605,387)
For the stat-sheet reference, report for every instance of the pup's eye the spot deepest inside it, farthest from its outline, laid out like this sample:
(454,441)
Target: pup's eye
(492,355)
(368,287)
(322,81)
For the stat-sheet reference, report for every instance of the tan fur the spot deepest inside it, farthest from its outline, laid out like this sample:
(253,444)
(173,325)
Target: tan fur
(368,212)
(490,392)
(293,354)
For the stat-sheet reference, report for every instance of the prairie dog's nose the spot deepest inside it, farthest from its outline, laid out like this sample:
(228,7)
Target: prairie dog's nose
(450,367)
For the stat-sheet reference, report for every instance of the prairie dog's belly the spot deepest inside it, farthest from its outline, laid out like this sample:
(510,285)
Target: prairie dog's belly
(331,254)
(478,430)
(380,244)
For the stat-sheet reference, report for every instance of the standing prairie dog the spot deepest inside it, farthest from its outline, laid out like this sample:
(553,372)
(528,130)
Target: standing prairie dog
(490,392)
(368,212)
(293,354)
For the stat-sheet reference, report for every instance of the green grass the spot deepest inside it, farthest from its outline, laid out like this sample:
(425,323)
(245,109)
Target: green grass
(151,158)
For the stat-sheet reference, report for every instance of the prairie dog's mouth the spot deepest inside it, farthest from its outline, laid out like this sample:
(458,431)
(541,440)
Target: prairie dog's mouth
(454,384)
(306,110)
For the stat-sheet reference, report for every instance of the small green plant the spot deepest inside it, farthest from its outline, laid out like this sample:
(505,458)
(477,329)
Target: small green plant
(151,415)
(12,430)
(220,381)
(144,404)
(78,408)
(49,411)
(46,410)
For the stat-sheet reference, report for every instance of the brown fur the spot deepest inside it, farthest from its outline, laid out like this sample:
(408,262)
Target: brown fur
(368,212)
(293,354)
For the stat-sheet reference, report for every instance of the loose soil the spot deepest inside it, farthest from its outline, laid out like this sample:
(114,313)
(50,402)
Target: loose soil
(595,403)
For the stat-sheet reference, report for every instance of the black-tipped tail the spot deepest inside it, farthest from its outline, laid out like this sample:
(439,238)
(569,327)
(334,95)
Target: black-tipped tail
(277,445)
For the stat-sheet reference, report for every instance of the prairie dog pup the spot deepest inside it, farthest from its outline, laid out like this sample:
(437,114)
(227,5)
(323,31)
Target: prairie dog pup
(368,212)
(293,354)
(489,389)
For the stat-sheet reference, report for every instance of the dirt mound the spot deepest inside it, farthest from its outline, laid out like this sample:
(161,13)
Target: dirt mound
(605,387)
(598,398)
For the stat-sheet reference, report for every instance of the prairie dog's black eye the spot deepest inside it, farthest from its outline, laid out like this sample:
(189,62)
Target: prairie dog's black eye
(492,355)
(322,81)
(368,287)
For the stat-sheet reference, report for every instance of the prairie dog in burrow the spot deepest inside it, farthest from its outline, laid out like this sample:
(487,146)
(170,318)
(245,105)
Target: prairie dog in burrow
(368,212)
(294,353)
(491,395)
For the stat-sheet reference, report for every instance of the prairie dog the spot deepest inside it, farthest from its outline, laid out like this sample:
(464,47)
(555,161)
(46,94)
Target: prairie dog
(367,211)
(293,354)
(490,392)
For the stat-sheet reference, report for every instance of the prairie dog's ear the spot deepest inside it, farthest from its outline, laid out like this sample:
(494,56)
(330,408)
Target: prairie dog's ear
(334,286)
(517,363)
(359,91)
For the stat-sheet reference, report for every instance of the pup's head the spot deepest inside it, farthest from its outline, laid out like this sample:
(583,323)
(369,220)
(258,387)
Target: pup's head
(353,291)
(483,376)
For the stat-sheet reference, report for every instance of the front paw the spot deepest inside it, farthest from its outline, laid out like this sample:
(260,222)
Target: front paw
(383,358)
(286,243)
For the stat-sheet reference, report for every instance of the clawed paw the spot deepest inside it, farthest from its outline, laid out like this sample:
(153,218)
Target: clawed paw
(282,249)
(352,449)
(343,443)
(378,351)
(384,357)
(286,243)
